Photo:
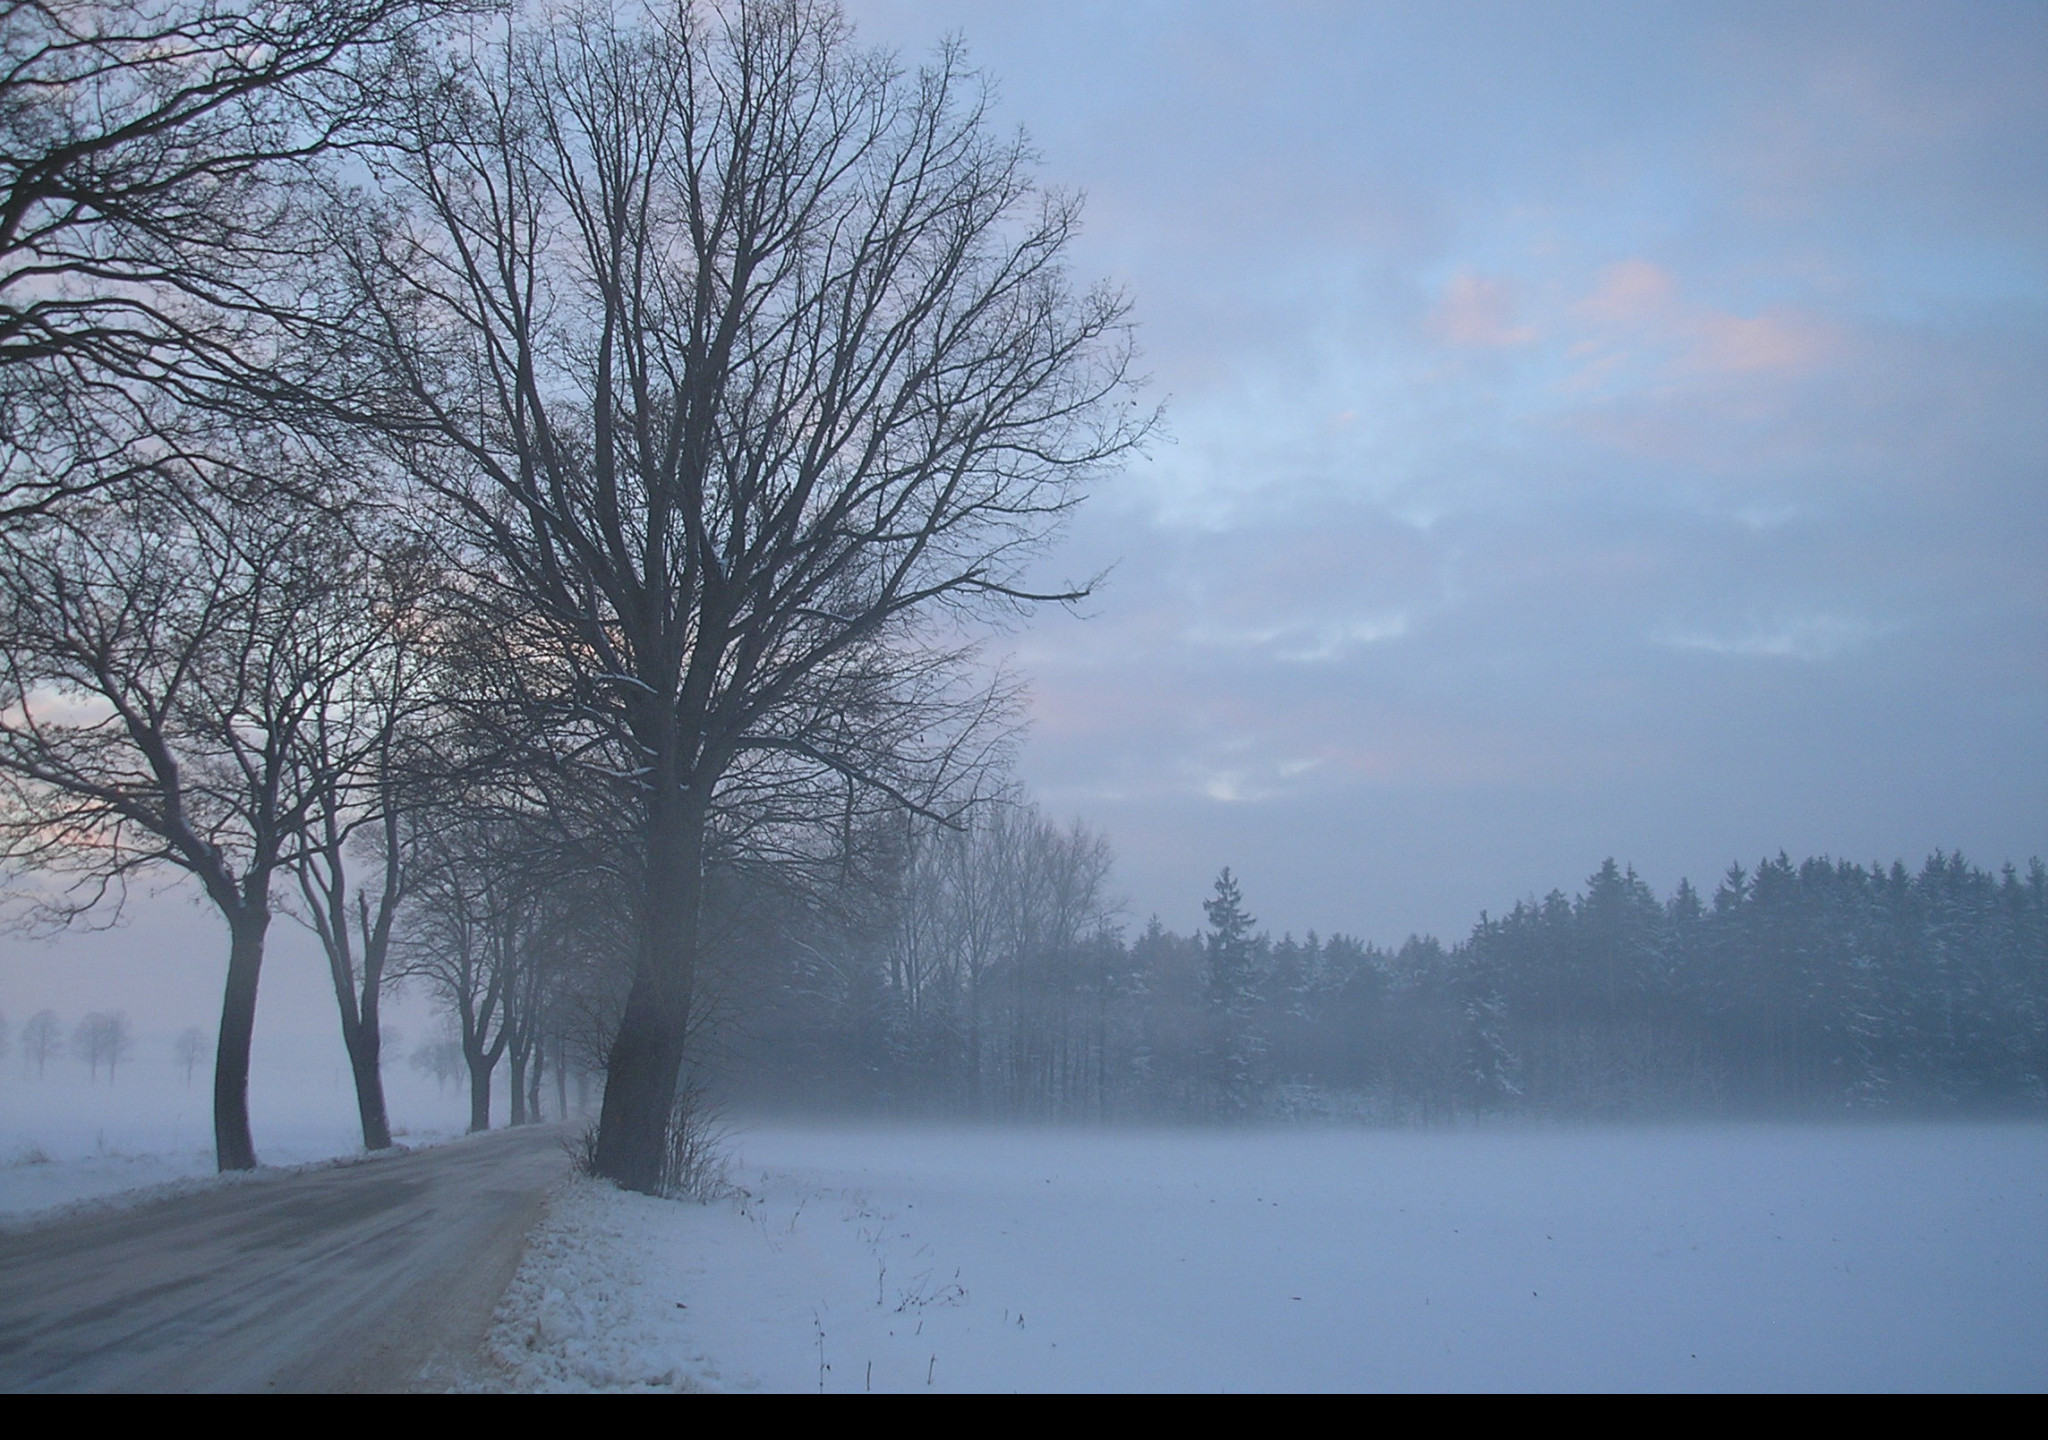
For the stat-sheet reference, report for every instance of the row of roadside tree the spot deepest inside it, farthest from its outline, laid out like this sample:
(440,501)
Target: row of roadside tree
(490,482)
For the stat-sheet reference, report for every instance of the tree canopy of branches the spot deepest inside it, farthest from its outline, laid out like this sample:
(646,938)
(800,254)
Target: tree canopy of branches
(142,148)
(744,370)
(164,669)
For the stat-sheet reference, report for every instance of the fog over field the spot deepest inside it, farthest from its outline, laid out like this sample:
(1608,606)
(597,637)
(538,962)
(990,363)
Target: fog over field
(1246,681)
(1711,1258)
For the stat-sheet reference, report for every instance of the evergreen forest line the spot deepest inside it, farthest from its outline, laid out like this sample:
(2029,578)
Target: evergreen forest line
(990,982)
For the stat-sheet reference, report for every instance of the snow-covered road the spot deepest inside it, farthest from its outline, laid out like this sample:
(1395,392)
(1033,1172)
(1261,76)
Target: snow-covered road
(371,1276)
(1738,1257)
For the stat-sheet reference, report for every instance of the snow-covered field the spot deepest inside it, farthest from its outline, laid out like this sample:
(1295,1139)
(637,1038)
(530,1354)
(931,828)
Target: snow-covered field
(69,1135)
(1744,1258)
(65,1138)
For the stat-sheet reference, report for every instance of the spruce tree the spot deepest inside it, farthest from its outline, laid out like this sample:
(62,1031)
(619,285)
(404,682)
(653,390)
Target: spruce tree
(1232,1000)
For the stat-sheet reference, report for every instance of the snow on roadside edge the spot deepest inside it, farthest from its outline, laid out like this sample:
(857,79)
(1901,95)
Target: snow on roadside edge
(568,1321)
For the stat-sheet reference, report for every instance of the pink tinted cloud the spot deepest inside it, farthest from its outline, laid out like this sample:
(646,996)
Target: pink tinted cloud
(1480,312)
(1636,311)
(1775,340)
(1631,293)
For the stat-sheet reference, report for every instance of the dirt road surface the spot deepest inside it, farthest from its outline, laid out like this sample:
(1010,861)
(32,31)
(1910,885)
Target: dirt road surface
(379,1276)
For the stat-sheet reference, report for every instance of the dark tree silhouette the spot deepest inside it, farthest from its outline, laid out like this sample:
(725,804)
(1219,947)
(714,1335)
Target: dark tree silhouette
(161,667)
(368,766)
(744,369)
(103,1038)
(1804,988)
(188,1049)
(1232,1044)
(145,155)
(41,1037)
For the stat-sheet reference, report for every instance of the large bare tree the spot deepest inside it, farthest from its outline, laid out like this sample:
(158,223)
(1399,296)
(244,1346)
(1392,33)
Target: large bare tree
(744,368)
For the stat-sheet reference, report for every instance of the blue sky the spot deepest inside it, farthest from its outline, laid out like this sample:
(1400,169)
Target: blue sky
(1593,429)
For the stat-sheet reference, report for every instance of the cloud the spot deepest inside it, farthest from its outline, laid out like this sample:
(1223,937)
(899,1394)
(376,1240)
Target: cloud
(1617,436)
(1636,313)
(62,708)
(1805,637)
(1735,344)
(1480,312)
(1636,294)
(1305,641)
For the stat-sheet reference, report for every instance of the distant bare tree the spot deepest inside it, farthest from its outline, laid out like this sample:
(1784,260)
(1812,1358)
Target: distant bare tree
(590,967)
(470,931)
(364,762)
(146,155)
(744,371)
(997,921)
(41,1037)
(526,1016)
(189,1048)
(103,1038)
(159,669)
(441,1059)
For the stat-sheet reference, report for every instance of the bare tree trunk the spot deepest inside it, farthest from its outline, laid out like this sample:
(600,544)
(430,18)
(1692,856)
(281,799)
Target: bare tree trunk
(974,1049)
(362,1037)
(365,1055)
(647,1055)
(518,1088)
(640,1082)
(481,1064)
(234,1149)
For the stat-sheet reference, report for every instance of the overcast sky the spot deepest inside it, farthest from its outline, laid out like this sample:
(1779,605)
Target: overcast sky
(1594,429)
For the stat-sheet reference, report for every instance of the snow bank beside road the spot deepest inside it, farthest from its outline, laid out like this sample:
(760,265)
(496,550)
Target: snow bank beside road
(585,1311)
(1858,1258)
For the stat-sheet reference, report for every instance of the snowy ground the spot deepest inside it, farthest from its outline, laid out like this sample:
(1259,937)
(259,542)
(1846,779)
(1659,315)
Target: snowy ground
(65,1138)
(151,1123)
(1743,1258)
